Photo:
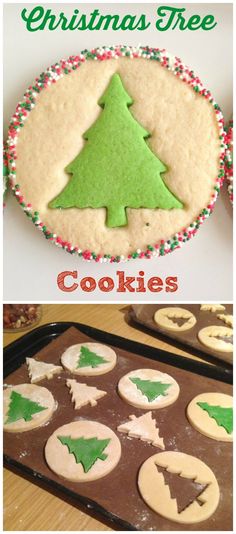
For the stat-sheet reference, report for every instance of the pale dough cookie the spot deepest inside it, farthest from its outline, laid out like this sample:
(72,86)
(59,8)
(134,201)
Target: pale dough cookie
(201,416)
(212,307)
(26,406)
(164,499)
(171,119)
(215,338)
(168,318)
(64,463)
(83,394)
(89,359)
(144,428)
(227,319)
(39,370)
(148,389)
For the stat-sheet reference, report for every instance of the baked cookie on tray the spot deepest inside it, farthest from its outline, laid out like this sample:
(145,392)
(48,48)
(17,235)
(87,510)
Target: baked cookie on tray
(117,153)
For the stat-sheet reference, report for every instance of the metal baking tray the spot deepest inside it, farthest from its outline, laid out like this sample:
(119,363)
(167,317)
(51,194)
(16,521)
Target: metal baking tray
(131,355)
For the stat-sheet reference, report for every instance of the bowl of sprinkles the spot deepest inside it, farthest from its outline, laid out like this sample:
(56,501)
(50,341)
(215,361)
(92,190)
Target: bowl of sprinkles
(117,153)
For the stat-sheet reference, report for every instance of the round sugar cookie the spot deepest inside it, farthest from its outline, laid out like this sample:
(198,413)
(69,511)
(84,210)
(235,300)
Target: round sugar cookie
(219,338)
(212,415)
(26,406)
(83,451)
(89,359)
(148,389)
(175,319)
(117,153)
(179,487)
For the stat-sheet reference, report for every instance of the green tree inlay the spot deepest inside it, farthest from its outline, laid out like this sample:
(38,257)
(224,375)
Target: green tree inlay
(116,168)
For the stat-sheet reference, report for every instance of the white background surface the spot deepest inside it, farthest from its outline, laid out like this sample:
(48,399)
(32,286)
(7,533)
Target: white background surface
(204,264)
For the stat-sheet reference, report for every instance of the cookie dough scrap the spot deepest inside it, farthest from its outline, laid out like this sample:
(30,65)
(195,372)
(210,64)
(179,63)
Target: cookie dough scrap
(219,338)
(82,394)
(175,319)
(212,307)
(83,451)
(89,359)
(148,389)
(26,406)
(212,415)
(40,370)
(144,428)
(179,487)
(227,319)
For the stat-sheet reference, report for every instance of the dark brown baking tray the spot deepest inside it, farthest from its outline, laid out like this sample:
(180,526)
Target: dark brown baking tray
(116,498)
(142,315)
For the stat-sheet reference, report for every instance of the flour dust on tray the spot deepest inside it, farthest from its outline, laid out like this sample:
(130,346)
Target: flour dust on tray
(179,487)
(212,415)
(83,451)
(148,389)
(132,150)
(89,359)
(26,406)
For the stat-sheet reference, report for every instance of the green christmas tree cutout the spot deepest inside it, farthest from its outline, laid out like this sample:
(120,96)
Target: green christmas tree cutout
(222,416)
(22,408)
(116,168)
(86,451)
(88,358)
(150,389)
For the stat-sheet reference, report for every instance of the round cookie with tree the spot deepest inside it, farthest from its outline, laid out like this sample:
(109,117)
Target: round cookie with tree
(219,338)
(212,415)
(175,319)
(89,359)
(26,406)
(179,487)
(83,451)
(114,180)
(148,389)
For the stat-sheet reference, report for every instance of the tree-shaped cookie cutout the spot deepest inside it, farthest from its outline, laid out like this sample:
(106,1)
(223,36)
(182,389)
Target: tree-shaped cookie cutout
(183,489)
(88,358)
(22,408)
(144,428)
(222,416)
(83,394)
(40,370)
(116,168)
(86,451)
(150,389)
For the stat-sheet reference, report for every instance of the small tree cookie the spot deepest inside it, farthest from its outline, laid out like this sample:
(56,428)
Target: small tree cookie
(40,370)
(144,428)
(83,394)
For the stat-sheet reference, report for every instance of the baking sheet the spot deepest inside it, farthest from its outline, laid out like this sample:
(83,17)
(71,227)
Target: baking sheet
(116,496)
(143,314)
